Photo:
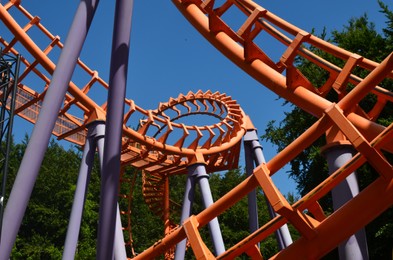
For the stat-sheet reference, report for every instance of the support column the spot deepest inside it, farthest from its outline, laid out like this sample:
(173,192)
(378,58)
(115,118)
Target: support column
(87,162)
(167,224)
(166,214)
(6,136)
(35,151)
(119,244)
(283,235)
(355,248)
(188,199)
(199,171)
(114,128)
(252,196)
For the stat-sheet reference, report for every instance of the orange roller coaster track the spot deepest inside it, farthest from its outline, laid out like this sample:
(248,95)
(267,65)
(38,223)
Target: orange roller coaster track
(162,147)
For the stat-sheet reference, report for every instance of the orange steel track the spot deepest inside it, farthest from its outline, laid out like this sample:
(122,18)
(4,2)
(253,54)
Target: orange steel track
(161,147)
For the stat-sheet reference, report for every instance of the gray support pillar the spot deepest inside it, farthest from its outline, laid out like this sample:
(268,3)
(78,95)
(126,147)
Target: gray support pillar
(185,213)
(35,151)
(283,235)
(114,126)
(81,190)
(355,248)
(252,196)
(199,171)
(119,244)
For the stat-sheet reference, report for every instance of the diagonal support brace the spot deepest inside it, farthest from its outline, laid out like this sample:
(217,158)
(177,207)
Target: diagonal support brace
(198,246)
(305,224)
(374,157)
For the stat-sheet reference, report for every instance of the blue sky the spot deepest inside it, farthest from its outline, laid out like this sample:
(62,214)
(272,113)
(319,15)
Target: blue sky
(168,56)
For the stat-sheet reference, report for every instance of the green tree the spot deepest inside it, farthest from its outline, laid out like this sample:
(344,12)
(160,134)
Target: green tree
(43,229)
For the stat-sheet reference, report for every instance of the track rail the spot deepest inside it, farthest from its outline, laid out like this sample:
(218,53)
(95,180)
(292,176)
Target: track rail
(155,147)
(282,77)
(155,141)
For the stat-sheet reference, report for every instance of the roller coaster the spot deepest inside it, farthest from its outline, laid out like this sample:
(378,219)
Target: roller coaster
(162,146)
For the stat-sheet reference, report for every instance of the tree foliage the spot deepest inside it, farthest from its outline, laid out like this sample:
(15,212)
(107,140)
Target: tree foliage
(43,229)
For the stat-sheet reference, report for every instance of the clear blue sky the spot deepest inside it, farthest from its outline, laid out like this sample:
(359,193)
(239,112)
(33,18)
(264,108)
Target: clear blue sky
(168,56)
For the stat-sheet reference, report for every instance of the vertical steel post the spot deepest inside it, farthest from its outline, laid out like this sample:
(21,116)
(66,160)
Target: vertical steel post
(199,171)
(167,205)
(252,196)
(8,140)
(42,131)
(355,247)
(114,127)
(188,199)
(87,162)
(119,244)
(166,213)
(283,235)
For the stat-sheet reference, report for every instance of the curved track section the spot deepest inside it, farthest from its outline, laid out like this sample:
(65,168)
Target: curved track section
(210,106)
(158,141)
(240,43)
(162,145)
(157,131)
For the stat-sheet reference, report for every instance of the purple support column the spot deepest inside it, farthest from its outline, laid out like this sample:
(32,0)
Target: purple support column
(355,248)
(283,235)
(199,171)
(87,162)
(185,213)
(114,127)
(42,131)
(252,196)
(119,245)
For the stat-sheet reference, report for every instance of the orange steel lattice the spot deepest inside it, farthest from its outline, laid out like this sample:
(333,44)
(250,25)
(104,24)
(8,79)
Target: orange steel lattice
(161,147)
